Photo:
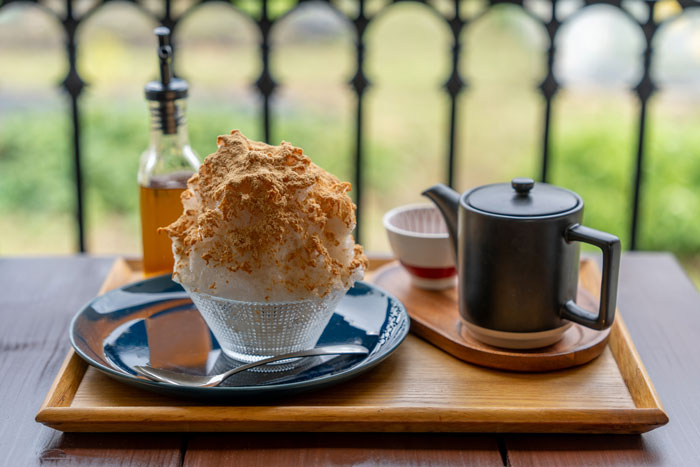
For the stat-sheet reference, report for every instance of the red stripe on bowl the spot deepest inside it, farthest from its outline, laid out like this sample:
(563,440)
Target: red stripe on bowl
(430,273)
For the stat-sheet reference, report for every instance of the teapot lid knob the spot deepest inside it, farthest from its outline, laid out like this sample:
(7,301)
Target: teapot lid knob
(522,185)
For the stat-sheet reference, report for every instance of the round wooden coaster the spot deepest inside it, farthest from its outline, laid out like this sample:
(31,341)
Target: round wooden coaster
(435,318)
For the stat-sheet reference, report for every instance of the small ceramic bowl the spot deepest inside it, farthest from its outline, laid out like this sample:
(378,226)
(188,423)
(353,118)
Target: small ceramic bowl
(418,237)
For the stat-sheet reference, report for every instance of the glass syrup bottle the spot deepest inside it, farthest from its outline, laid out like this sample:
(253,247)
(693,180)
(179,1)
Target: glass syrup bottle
(168,162)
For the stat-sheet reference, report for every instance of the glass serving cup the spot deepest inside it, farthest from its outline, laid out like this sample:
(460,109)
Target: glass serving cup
(250,331)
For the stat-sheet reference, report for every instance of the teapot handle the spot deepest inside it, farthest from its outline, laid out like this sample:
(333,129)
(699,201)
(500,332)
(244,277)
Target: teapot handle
(610,246)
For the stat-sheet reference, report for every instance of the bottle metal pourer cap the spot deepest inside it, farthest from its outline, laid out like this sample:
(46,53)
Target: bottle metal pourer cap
(168,88)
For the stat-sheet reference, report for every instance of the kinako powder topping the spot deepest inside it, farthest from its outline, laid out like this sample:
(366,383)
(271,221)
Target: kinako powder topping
(271,213)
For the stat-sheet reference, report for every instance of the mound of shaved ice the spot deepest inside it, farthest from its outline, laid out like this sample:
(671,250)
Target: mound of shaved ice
(263,223)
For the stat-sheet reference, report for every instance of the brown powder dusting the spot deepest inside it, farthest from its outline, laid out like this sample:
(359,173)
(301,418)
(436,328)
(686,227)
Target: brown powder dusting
(262,206)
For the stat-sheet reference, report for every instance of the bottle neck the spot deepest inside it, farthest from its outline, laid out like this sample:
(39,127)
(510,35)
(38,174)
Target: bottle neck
(169,160)
(168,123)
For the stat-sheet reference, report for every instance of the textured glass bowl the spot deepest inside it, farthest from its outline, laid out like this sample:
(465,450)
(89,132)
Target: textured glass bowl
(250,331)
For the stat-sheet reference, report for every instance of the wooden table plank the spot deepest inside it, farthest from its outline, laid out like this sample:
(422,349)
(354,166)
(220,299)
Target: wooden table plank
(662,311)
(307,449)
(38,297)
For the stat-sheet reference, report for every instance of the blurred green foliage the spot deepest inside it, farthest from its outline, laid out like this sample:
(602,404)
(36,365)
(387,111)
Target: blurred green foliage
(671,198)
(32,140)
(593,140)
(593,156)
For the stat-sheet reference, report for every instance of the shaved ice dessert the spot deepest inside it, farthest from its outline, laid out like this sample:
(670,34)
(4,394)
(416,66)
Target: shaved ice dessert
(264,246)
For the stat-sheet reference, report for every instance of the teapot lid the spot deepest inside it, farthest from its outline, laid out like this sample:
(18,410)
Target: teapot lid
(523,198)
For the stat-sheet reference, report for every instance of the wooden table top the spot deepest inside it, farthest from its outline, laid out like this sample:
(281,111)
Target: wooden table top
(38,296)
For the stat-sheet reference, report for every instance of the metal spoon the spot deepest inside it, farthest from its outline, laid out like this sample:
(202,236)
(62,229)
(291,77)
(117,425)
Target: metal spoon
(208,381)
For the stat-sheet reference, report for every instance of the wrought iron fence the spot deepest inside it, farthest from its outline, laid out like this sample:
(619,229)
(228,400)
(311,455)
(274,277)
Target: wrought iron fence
(458,18)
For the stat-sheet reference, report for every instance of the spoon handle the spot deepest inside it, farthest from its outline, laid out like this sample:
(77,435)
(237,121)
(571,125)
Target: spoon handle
(185,379)
(325,350)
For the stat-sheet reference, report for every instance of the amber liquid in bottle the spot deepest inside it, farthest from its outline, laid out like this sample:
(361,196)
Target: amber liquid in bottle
(166,164)
(160,206)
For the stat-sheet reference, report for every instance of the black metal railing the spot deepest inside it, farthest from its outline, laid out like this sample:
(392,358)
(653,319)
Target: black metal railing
(458,21)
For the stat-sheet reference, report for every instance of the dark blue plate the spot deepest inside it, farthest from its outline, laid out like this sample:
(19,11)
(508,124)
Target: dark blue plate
(154,322)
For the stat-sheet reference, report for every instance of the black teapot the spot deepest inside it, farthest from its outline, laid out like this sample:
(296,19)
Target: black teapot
(517,249)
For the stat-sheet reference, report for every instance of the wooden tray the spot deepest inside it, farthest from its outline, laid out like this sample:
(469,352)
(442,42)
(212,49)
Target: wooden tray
(419,388)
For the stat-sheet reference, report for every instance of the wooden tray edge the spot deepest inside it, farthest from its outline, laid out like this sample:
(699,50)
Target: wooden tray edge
(198,418)
(628,361)
(65,384)
(73,368)
(636,378)
(57,413)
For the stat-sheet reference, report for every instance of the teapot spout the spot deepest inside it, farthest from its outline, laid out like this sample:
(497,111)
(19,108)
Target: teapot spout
(447,201)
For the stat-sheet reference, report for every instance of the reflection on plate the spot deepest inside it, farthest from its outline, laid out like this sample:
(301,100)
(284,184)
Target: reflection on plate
(154,322)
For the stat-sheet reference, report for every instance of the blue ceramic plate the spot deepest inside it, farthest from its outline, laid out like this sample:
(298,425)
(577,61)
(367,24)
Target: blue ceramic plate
(154,322)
